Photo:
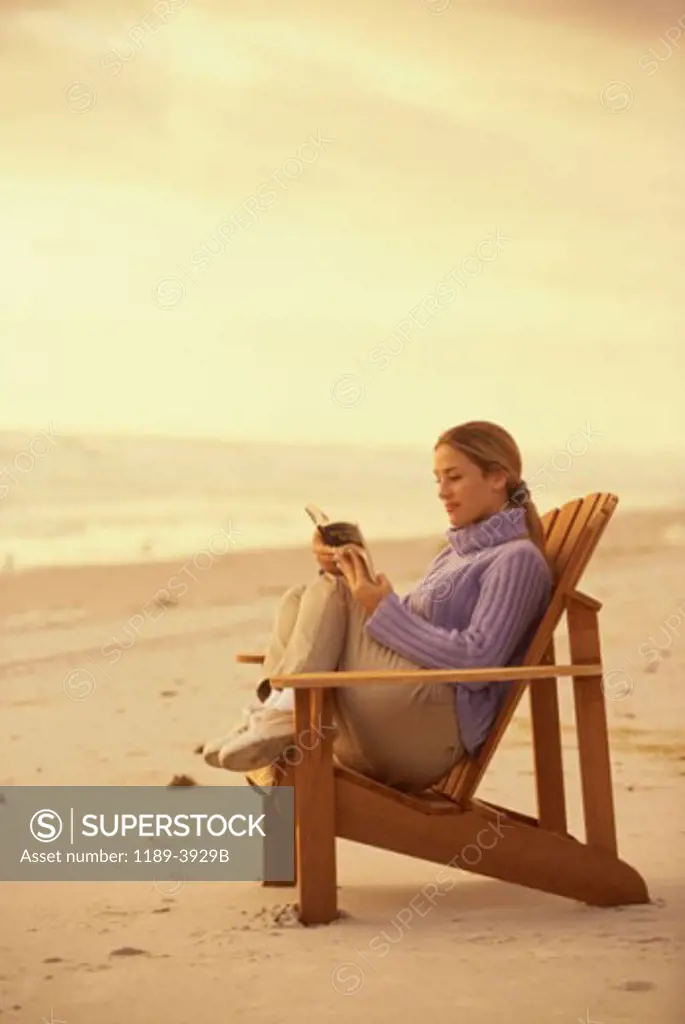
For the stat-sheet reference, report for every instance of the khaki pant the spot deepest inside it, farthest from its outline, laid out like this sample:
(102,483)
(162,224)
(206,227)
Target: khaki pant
(406,736)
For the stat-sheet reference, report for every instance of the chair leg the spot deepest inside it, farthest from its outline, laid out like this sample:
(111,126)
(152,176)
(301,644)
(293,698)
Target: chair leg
(279,774)
(315,807)
(593,737)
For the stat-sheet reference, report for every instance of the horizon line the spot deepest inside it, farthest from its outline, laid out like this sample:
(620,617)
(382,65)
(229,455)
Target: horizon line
(146,435)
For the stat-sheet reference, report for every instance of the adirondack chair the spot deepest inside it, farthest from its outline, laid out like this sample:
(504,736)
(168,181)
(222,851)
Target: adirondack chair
(440,825)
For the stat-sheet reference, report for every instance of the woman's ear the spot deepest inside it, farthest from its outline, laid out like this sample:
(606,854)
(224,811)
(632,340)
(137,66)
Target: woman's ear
(498,480)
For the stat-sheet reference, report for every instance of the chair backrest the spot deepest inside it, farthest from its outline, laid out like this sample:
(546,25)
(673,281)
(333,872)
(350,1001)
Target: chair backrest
(572,533)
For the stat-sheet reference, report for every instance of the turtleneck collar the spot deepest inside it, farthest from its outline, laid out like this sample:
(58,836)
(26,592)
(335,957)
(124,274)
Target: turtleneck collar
(507,524)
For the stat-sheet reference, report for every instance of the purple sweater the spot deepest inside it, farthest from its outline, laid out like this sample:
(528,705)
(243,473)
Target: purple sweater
(478,605)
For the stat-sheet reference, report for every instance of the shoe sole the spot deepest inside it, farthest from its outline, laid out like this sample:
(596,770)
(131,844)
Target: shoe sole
(212,758)
(259,754)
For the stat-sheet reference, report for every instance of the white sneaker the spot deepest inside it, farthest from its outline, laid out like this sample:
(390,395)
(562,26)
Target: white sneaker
(263,736)
(210,751)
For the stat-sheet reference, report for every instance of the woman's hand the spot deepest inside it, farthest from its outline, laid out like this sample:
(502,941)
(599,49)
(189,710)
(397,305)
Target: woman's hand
(362,588)
(324,555)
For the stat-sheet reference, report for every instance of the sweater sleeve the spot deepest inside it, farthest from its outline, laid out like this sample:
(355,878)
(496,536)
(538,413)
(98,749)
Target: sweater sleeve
(512,594)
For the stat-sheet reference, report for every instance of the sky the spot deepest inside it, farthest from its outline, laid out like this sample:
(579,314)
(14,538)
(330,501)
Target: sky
(361,223)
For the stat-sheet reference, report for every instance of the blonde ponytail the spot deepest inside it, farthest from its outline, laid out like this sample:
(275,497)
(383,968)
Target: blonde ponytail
(520,497)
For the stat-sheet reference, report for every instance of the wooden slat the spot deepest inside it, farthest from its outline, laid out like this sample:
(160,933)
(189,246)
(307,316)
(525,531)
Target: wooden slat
(360,677)
(581,522)
(449,786)
(548,521)
(427,802)
(466,675)
(549,765)
(315,808)
(593,739)
(562,526)
(587,544)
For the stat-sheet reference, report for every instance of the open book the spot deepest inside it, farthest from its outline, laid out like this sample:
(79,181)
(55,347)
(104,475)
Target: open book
(338,534)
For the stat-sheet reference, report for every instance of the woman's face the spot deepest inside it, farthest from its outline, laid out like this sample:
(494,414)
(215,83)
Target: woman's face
(467,493)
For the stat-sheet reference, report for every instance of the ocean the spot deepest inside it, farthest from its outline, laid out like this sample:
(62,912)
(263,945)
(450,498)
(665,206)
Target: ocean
(102,500)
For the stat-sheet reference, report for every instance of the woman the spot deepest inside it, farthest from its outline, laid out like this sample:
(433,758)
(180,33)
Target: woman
(477,606)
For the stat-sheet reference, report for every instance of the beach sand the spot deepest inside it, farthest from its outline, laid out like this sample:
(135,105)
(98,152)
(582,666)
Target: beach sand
(486,952)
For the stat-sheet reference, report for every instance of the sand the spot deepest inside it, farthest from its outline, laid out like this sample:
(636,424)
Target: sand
(487,952)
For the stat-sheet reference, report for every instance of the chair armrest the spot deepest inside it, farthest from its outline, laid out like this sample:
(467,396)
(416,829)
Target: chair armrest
(250,659)
(511,673)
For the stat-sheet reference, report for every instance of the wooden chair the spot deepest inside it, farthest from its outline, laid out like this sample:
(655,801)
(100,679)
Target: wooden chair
(442,825)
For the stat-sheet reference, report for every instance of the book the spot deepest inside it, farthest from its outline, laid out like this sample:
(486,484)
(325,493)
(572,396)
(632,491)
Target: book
(340,534)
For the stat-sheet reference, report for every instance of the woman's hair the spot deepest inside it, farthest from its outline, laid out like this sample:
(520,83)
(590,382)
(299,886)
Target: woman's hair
(491,447)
